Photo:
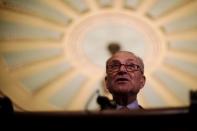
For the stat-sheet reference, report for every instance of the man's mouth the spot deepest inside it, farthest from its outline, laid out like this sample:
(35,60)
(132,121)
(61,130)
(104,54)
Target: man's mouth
(121,80)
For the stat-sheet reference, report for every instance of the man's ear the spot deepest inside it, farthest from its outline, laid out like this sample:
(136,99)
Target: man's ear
(142,81)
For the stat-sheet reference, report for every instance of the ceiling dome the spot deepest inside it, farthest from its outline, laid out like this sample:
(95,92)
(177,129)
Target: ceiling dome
(53,53)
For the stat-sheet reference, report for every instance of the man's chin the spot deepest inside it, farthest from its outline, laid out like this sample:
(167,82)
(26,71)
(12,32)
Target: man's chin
(123,89)
(122,85)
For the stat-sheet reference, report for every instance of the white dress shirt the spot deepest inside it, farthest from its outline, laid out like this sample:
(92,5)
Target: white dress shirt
(133,105)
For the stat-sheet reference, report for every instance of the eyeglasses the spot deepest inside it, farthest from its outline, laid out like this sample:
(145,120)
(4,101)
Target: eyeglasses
(115,67)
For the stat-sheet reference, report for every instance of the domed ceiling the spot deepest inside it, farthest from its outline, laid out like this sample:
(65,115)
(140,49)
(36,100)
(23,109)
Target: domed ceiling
(53,53)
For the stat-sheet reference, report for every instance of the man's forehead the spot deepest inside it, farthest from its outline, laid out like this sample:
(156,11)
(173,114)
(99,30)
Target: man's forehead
(123,56)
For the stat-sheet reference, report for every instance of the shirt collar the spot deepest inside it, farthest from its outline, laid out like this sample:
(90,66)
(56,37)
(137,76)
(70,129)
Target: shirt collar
(132,105)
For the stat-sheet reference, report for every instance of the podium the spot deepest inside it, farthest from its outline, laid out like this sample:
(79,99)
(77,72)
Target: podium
(158,119)
(176,119)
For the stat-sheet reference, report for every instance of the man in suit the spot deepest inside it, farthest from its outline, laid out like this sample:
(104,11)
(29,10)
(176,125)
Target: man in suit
(125,78)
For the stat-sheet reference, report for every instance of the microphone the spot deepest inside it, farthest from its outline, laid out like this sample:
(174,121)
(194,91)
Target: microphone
(105,103)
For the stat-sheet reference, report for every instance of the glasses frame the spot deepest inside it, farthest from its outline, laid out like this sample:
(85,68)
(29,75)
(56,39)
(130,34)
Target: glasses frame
(137,67)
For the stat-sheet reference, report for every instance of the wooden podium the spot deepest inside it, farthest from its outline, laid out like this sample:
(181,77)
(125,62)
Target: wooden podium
(175,119)
(162,119)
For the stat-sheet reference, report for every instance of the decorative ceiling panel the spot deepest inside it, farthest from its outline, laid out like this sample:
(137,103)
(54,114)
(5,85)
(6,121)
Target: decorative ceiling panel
(17,31)
(60,99)
(19,58)
(79,5)
(184,45)
(105,3)
(164,6)
(36,7)
(41,78)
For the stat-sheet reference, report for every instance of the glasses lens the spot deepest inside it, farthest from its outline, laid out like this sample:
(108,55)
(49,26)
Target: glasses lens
(115,66)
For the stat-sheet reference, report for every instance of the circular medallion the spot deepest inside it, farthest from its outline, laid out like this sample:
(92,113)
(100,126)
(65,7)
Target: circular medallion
(88,40)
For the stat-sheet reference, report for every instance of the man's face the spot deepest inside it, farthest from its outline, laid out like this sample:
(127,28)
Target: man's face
(124,74)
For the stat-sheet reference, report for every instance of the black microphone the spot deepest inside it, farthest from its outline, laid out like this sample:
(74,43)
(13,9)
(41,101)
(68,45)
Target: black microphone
(105,103)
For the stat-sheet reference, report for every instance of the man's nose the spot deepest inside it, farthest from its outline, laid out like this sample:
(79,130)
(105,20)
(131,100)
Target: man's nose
(123,68)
